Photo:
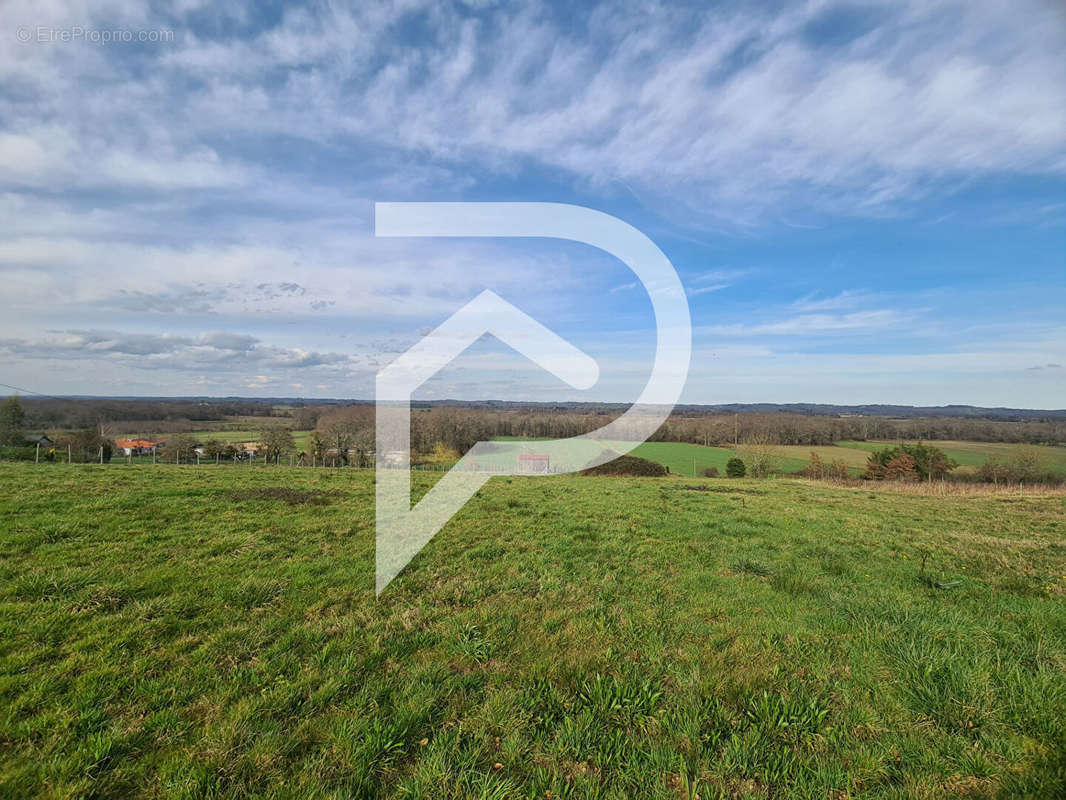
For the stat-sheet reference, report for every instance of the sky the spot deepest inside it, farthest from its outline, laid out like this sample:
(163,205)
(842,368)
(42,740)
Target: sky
(865,201)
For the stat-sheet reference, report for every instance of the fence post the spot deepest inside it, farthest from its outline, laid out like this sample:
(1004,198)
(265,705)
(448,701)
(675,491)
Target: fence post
(101,454)
(68,452)
(37,455)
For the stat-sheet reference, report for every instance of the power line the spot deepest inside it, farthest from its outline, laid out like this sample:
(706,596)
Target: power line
(30,391)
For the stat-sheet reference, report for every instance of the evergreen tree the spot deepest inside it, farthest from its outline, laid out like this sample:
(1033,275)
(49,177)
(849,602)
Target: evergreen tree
(12,418)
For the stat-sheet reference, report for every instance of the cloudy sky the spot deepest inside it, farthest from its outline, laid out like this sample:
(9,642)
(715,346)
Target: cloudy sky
(866,201)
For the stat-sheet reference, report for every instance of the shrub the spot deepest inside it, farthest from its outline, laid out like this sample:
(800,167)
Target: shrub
(86,446)
(819,470)
(761,457)
(838,471)
(216,448)
(902,467)
(735,468)
(710,472)
(13,453)
(1025,464)
(628,465)
(908,462)
(815,468)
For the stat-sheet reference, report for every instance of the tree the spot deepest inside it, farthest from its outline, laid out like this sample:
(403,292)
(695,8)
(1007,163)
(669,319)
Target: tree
(316,446)
(216,448)
(442,454)
(902,467)
(761,457)
(306,417)
(815,468)
(734,468)
(86,446)
(349,428)
(995,470)
(922,461)
(1027,463)
(178,448)
(276,442)
(12,418)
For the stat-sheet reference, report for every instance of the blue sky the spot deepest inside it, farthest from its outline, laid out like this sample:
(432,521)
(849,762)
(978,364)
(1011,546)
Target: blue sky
(865,201)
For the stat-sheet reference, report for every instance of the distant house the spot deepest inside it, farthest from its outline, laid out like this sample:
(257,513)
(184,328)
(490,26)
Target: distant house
(39,439)
(136,447)
(533,464)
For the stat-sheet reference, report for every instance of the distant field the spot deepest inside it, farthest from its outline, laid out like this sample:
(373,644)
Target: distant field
(974,454)
(680,457)
(300,437)
(186,632)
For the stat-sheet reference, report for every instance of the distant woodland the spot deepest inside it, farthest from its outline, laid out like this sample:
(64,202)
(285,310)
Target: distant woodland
(459,425)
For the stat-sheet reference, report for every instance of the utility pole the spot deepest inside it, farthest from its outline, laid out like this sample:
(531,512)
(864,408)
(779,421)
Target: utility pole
(736,429)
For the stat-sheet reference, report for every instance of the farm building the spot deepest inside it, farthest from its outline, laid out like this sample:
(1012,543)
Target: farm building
(136,447)
(533,464)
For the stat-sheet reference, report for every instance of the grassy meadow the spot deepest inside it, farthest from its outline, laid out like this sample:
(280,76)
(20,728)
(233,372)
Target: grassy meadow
(188,632)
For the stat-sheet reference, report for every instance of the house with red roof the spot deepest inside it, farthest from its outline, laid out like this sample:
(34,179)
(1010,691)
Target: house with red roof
(136,447)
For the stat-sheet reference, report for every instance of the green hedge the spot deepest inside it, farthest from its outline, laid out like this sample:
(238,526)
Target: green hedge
(13,453)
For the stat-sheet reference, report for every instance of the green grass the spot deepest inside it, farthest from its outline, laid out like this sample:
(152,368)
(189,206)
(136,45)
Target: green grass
(679,457)
(192,632)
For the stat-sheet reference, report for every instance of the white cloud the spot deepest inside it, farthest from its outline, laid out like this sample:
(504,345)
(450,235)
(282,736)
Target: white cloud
(818,324)
(714,287)
(742,108)
(225,174)
(845,299)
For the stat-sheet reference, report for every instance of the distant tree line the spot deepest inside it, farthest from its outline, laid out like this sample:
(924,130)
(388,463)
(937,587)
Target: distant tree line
(87,412)
(460,428)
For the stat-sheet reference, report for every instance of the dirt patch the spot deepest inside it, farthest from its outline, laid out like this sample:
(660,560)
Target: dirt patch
(294,497)
(720,489)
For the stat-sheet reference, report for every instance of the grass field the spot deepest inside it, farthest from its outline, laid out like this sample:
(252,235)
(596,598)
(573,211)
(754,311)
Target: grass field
(682,458)
(194,632)
(679,457)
